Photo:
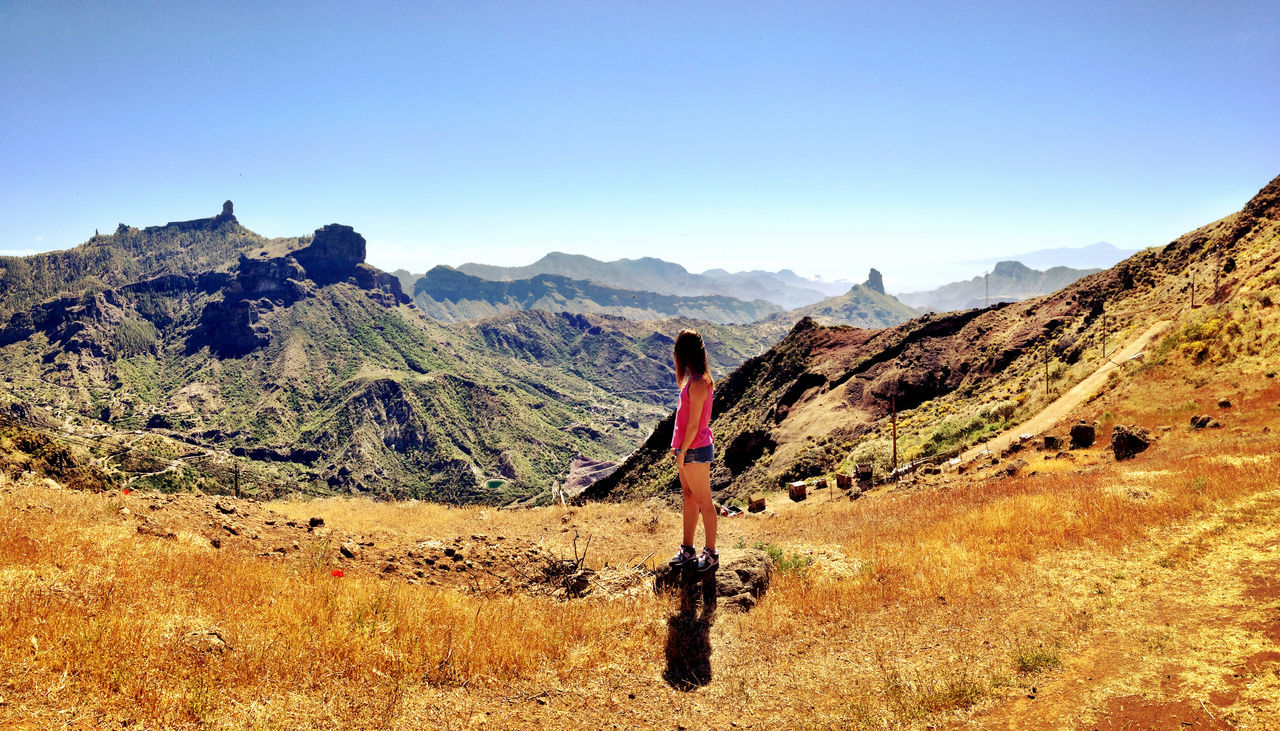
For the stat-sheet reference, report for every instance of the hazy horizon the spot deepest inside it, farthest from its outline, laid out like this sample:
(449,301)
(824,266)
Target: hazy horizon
(976,267)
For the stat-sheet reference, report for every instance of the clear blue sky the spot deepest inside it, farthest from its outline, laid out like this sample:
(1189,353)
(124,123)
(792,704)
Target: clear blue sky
(824,137)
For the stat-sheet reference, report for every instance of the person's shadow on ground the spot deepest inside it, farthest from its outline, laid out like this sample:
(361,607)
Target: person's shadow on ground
(689,633)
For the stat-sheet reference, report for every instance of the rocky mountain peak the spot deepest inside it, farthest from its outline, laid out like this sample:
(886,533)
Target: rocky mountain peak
(334,253)
(236,325)
(1266,204)
(1011,269)
(228,212)
(875,281)
(804,323)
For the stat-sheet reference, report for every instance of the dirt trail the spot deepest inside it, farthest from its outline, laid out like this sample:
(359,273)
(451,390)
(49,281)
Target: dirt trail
(1054,412)
(1186,634)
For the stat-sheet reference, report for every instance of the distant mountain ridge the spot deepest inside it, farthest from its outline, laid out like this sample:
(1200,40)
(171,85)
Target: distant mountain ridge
(1098,255)
(785,289)
(1009,281)
(448,295)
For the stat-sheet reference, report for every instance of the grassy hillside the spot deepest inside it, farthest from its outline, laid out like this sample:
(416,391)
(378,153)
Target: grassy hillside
(1055,587)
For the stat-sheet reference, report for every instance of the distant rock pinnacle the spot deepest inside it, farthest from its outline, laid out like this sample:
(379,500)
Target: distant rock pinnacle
(226,217)
(874,281)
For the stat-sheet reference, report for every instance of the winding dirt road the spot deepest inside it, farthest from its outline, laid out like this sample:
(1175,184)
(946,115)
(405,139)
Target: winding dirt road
(1056,411)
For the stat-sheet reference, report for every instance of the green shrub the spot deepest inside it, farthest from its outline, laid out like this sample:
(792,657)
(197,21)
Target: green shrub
(877,452)
(959,691)
(783,561)
(1029,659)
(999,411)
(957,431)
(813,460)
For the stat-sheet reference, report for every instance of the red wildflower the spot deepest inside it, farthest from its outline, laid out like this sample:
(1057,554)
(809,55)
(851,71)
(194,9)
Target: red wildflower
(336,572)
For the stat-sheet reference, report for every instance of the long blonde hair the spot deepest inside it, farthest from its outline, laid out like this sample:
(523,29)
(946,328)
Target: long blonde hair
(691,357)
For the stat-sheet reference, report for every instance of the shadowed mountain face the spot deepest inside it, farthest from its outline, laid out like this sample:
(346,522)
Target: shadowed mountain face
(236,325)
(804,406)
(1008,281)
(621,356)
(297,351)
(448,294)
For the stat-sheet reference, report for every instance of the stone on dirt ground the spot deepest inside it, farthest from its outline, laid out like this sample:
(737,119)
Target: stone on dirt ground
(743,577)
(1128,441)
(1082,436)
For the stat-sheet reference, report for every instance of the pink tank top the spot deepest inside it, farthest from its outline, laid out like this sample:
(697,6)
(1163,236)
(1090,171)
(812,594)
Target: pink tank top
(703,437)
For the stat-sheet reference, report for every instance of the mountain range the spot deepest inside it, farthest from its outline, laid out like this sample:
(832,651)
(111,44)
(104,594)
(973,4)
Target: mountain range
(785,288)
(448,294)
(582,284)
(296,352)
(1008,281)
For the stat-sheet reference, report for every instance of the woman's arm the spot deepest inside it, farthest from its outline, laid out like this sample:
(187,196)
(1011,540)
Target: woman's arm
(697,397)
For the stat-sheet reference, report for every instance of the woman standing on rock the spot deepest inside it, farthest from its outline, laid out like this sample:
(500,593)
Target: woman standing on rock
(691,445)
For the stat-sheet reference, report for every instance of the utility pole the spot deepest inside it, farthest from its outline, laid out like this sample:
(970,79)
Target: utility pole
(1217,270)
(893,404)
(237,479)
(1046,371)
(986,289)
(1104,330)
(1193,288)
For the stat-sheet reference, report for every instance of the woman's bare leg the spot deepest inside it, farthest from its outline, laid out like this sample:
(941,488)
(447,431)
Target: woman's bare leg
(690,511)
(697,479)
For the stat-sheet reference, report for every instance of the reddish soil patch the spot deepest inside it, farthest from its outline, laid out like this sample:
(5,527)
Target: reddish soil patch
(1136,712)
(1259,661)
(1264,589)
(1269,629)
(1224,698)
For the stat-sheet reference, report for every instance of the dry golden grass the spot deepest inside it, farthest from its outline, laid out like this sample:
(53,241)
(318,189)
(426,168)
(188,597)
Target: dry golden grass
(99,618)
(920,606)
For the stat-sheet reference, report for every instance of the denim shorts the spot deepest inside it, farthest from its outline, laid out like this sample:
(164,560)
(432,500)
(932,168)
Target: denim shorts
(699,455)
